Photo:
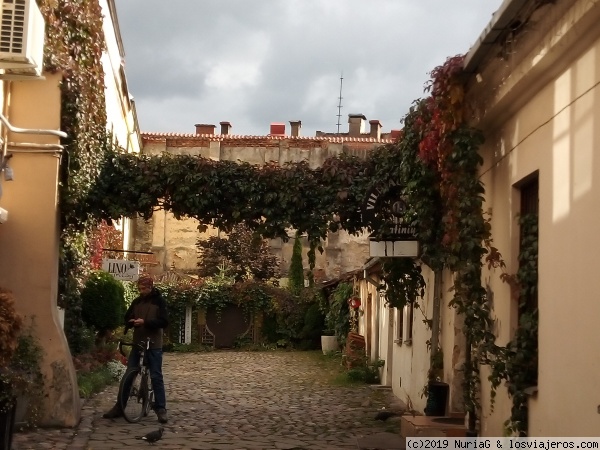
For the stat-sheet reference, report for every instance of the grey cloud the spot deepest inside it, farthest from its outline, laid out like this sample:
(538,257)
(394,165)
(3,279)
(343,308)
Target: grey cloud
(254,62)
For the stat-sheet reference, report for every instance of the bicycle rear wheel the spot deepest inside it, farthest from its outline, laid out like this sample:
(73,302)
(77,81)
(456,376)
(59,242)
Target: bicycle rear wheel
(133,397)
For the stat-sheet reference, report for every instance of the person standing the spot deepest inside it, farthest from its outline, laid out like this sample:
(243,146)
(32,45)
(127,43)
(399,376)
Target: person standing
(148,317)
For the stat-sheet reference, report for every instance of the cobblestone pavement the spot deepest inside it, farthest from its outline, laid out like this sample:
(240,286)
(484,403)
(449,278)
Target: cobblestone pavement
(236,400)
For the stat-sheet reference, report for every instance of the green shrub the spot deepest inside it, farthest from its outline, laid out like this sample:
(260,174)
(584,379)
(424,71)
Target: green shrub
(337,317)
(314,321)
(103,302)
(296,273)
(93,382)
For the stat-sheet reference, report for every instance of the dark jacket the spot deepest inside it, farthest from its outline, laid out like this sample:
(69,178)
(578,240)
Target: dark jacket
(153,309)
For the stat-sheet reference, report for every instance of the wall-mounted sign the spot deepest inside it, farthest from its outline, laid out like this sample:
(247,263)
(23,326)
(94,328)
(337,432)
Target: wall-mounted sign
(393,236)
(121,269)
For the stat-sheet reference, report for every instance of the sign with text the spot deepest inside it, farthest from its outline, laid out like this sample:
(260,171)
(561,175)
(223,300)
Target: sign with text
(121,269)
(385,210)
(390,249)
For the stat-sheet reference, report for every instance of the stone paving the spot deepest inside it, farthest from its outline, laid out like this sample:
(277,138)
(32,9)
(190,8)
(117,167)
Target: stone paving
(227,400)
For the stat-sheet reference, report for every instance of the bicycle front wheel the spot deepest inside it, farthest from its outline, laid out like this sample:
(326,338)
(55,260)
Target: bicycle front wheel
(133,396)
(147,383)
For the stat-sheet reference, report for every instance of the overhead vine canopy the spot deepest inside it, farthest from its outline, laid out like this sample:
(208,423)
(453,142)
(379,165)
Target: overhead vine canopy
(270,199)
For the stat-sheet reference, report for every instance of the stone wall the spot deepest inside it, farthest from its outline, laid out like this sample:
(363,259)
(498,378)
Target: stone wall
(174,241)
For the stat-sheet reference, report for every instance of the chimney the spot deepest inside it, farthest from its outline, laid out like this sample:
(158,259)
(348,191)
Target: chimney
(225,127)
(375,129)
(203,128)
(277,129)
(357,124)
(295,126)
(395,134)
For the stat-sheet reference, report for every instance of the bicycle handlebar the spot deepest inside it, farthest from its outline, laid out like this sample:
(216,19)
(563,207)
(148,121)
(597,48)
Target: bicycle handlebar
(133,344)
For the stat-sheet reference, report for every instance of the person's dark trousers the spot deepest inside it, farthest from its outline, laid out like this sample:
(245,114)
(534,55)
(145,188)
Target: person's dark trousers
(154,357)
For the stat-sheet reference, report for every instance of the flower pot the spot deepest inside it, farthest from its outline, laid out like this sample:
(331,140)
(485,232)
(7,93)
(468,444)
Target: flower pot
(437,398)
(329,344)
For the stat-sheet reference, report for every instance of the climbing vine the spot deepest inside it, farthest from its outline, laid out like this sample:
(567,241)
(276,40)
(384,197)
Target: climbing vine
(74,46)
(517,363)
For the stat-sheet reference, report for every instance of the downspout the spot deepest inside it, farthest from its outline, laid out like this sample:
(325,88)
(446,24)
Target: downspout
(435,318)
(375,303)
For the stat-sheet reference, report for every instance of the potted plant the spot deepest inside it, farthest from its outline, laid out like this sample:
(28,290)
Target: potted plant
(329,342)
(10,326)
(437,390)
(337,318)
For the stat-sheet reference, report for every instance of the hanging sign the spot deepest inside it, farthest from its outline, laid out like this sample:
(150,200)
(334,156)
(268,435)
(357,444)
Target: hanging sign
(393,236)
(121,269)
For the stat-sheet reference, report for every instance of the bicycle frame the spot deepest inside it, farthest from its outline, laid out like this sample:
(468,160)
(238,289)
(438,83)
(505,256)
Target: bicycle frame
(140,393)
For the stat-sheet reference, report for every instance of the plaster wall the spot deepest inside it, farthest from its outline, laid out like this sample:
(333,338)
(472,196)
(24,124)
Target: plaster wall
(29,242)
(411,357)
(553,132)
(120,110)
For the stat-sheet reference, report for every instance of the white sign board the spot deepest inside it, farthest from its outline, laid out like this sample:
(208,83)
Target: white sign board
(121,269)
(386,249)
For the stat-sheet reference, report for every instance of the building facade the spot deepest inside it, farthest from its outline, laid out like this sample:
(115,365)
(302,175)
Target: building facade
(533,86)
(29,198)
(173,242)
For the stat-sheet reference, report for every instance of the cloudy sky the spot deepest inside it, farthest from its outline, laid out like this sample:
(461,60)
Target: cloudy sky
(253,62)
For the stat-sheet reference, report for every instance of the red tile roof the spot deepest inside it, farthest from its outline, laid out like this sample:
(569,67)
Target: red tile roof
(226,137)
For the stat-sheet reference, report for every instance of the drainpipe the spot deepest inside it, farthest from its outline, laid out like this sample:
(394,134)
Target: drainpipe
(435,318)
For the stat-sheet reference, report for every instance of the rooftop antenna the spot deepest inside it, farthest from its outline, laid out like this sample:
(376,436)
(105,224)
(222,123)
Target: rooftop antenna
(339,114)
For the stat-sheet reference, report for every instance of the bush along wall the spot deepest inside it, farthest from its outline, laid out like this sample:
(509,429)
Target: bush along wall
(287,320)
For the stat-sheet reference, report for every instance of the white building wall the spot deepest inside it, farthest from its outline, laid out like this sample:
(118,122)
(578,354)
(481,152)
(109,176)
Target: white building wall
(544,118)
(120,110)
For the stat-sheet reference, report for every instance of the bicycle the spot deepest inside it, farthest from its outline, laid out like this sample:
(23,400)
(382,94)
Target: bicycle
(136,396)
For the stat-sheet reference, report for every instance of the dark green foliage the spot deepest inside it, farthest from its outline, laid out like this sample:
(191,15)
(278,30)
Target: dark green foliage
(22,377)
(103,301)
(296,273)
(368,372)
(314,321)
(337,317)
(403,281)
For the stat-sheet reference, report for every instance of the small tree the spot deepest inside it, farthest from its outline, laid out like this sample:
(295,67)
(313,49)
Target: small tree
(242,253)
(103,303)
(296,273)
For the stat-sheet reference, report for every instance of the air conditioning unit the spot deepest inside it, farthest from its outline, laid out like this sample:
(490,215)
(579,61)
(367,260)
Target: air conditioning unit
(22,34)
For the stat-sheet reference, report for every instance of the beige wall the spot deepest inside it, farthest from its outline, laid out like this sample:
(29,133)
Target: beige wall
(551,129)
(29,241)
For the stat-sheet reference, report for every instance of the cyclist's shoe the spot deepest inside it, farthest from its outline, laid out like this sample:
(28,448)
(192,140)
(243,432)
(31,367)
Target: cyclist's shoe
(113,413)
(162,415)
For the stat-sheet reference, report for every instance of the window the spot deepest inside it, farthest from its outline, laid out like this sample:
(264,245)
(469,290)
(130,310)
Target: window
(399,326)
(404,325)
(529,207)
(408,324)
